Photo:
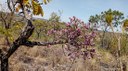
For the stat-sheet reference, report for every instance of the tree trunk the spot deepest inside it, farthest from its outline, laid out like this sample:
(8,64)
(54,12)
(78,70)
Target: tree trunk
(27,32)
(4,63)
(102,40)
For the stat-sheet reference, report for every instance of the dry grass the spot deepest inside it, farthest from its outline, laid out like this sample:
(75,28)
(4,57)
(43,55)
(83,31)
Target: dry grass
(53,59)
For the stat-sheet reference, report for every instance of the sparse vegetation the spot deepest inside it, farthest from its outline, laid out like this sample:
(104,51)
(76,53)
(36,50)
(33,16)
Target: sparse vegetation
(30,44)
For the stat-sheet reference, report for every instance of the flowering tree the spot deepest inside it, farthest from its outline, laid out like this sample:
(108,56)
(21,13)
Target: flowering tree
(77,34)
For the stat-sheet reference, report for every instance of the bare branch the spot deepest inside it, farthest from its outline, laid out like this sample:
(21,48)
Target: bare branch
(27,32)
(3,19)
(8,3)
(31,44)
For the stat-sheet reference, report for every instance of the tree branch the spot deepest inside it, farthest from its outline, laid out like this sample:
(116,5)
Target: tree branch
(31,44)
(27,32)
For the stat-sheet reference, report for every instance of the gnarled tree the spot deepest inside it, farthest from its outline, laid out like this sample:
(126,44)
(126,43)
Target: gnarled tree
(25,6)
(77,34)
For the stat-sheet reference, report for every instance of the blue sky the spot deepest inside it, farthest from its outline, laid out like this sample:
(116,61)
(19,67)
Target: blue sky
(82,8)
